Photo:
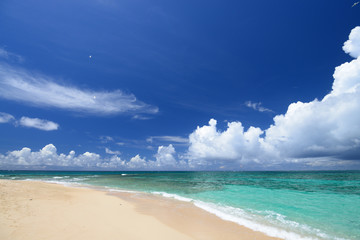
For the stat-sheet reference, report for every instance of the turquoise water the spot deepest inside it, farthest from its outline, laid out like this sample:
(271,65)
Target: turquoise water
(290,205)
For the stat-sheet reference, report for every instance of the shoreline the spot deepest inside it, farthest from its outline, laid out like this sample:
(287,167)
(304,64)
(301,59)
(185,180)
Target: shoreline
(40,210)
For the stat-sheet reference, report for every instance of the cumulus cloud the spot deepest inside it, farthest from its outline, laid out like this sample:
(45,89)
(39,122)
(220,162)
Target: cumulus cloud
(208,145)
(137,162)
(257,106)
(327,129)
(5,117)
(38,123)
(49,158)
(352,46)
(20,85)
(165,156)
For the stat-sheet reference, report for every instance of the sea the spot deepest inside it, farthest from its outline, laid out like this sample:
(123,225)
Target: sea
(288,205)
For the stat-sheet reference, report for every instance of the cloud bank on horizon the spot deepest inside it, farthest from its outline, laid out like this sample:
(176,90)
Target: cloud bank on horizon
(323,132)
(48,158)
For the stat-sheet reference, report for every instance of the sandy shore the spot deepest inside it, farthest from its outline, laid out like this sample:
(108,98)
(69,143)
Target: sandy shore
(36,211)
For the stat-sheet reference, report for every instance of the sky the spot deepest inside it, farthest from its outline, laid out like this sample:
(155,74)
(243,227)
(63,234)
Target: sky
(179,85)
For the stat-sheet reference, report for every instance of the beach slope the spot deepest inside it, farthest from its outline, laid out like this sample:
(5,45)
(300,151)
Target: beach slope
(37,210)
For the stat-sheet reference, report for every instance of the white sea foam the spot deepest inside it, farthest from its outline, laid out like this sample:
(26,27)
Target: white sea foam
(58,177)
(246,219)
(240,217)
(174,196)
(123,174)
(79,179)
(277,218)
(64,183)
(120,190)
(67,183)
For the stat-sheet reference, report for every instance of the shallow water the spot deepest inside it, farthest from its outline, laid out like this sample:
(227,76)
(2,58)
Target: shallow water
(290,205)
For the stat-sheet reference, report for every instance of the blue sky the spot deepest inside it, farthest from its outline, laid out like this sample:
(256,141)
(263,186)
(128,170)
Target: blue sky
(125,85)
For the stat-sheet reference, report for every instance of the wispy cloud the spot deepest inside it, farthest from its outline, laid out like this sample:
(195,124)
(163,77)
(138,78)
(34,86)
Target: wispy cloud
(141,117)
(106,139)
(174,139)
(9,56)
(257,106)
(21,85)
(108,151)
(41,124)
(5,117)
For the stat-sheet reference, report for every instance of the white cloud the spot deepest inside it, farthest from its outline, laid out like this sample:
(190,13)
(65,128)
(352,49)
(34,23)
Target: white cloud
(137,162)
(208,145)
(108,151)
(5,117)
(20,85)
(320,129)
(48,158)
(257,106)
(38,123)
(106,139)
(140,117)
(352,46)
(174,139)
(9,56)
(165,156)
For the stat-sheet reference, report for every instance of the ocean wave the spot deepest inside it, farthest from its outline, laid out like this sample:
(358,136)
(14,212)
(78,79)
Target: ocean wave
(57,180)
(79,179)
(120,190)
(254,222)
(64,183)
(278,218)
(242,218)
(174,196)
(129,174)
(92,176)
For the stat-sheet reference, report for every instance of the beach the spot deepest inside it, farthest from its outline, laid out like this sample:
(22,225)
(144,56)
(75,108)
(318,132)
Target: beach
(36,210)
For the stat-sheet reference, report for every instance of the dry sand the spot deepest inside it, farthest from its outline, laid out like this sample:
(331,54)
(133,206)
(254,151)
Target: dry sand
(37,211)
